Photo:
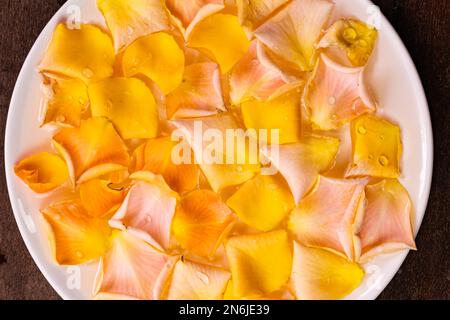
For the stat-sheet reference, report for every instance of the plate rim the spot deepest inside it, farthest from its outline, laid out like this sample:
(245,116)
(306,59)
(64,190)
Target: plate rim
(38,258)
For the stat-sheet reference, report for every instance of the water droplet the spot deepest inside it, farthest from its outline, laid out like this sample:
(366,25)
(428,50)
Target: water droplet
(203,277)
(81,101)
(349,34)
(130,30)
(362,43)
(57,217)
(88,73)
(79,254)
(383,160)
(334,117)
(60,118)
(239,169)
(332,100)
(370,156)
(148,219)
(381,137)
(362,130)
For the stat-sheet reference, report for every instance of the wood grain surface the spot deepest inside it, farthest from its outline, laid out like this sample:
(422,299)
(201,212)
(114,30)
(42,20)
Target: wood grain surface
(424,27)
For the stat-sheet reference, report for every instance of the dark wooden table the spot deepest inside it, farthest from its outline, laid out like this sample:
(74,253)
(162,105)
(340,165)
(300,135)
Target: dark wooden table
(423,25)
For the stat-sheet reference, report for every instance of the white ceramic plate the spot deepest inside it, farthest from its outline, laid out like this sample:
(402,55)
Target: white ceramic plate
(392,76)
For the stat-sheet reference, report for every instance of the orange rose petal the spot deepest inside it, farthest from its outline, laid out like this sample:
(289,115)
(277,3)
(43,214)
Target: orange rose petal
(92,150)
(157,57)
(252,77)
(336,95)
(100,197)
(156,156)
(86,53)
(130,20)
(187,14)
(330,216)
(77,237)
(132,269)
(252,13)
(300,163)
(66,101)
(42,172)
(199,95)
(294,31)
(201,222)
(387,224)
(193,281)
(148,210)
(222,38)
(128,103)
(214,165)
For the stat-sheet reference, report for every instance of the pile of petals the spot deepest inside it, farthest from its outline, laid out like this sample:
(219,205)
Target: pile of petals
(160,230)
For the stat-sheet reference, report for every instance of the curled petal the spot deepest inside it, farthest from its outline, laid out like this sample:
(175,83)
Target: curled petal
(101,197)
(130,20)
(377,148)
(86,53)
(280,116)
(293,32)
(221,37)
(199,95)
(221,168)
(330,216)
(321,275)
(156,156)
(301,163)
(387,224)
(252,13)
(193,281)
(187,14)
(157,57)
(92,150)
(128,103)
(201,222)
(252,77)
(260,264)
(271,202)
(336,95)
(42,172)
(148,210)
(132,269)
(66,101)
(351,42)
(77,237)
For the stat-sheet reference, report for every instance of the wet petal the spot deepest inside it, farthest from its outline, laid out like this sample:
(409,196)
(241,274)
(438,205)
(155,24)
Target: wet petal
(148,210)
(92,150)
(222,37)
(86,53)
(355,38)
(252,77)
(156,57)
(253,13)
(128,103)
(321,275)
(201,222)
(281,116)
(260,264)
(219,172)
(77,237)
(42,172)
(199,95)
(156,156)
(101,197)
(387,224)
(193,281)
(133,269)
(130,20)
(271,202)
(301,163)
(336,95)
(66,101)
(377,148)
(188,14)
(329,217)
(293,32)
